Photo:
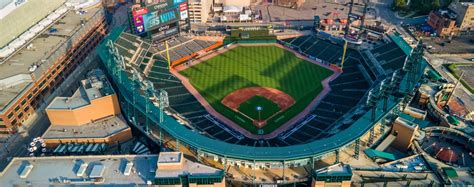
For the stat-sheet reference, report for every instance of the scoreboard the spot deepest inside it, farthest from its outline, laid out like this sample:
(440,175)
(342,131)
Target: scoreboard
(160,20)
(154,20)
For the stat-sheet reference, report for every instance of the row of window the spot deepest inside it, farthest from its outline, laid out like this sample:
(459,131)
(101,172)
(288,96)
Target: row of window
(35,101)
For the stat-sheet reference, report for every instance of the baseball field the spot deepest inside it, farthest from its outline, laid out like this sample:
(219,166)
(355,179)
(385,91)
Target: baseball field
(277,85)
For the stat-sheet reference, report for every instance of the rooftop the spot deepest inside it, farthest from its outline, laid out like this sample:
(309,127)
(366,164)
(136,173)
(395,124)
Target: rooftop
(335,170)
(446,13)
(31,59)
(412,122)
(95,86)
(169,157)
(13,16)
(97,129)
(48,171)
(189,168)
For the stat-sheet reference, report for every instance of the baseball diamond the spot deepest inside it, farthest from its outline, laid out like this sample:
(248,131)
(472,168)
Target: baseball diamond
(294,81)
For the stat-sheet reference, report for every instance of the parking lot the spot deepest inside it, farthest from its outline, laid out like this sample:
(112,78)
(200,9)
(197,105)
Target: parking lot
(458,45)
(326,10)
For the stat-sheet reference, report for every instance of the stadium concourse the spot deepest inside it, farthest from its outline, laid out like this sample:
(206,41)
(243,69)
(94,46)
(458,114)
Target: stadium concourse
(337,122)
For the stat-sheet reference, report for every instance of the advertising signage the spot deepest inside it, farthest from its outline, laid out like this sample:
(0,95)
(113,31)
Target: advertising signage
(169,4)
(146,19)
(138,21)
(155,19)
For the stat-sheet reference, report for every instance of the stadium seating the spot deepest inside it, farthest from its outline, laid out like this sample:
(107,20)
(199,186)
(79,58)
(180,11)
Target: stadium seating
(128,45)
(350,83)
(181,47)
(390,56)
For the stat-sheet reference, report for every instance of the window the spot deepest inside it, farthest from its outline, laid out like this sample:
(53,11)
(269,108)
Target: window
(10,115)
(29,96)
(17,108)
(3,126)
(41,83)
(23,102)
(26,109)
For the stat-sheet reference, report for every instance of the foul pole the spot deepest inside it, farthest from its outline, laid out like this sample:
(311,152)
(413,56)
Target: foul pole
(168,55)
(346,31)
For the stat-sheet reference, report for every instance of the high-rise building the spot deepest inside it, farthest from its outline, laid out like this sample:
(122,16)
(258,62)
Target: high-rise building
(199,10)
(465,11)
(40,50)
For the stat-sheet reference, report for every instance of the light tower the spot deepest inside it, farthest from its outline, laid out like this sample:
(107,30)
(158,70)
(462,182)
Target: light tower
(413,65)
(384,91)
(372,100)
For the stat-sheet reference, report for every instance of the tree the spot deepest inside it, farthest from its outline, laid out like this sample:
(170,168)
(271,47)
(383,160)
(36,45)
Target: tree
(399,4)
(435,4)
(446,3)
(422,6)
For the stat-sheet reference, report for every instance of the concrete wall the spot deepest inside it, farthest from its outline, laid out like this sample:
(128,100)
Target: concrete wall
(405,135)
(98,109)
(241,3)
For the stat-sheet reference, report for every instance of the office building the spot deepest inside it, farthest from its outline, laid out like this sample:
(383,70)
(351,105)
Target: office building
(39,51)
(465,12)
(90,115)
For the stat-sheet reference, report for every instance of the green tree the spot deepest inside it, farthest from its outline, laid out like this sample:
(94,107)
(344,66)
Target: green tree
(435,5)
(422,6)
(399,4)
(446,3)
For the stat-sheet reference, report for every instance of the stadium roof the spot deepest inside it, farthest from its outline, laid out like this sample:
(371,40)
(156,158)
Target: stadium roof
(372,153)
(19,18)
(450,172)
(18,71)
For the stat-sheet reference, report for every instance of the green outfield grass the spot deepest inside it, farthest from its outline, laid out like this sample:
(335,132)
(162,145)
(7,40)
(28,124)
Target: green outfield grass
(266,66)
(268,108)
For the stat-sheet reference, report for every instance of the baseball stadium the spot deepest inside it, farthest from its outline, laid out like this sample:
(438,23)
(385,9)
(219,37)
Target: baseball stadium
(259,100)
(214,90)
